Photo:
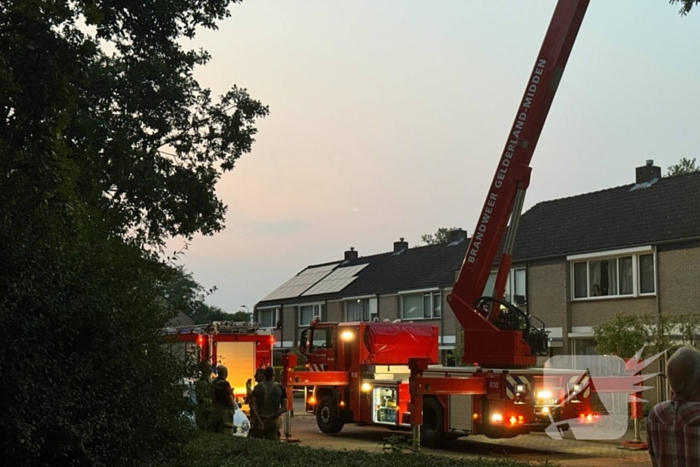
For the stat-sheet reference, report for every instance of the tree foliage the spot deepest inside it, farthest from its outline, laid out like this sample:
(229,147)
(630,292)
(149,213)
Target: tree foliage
(625,334)
(119,112)
(686,5)
(684,166)
(108,146)
(184,294)
(442,235)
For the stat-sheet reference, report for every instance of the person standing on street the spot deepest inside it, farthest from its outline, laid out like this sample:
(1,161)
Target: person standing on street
(203,392)
(258,378)
(673,427)
(223,404)
(267,403)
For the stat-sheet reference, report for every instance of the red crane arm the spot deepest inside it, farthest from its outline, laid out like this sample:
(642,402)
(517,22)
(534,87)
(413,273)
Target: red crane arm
(506,192)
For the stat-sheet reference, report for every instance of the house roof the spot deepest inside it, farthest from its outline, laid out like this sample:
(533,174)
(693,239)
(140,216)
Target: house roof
(631,215)
(411,269)
(664,210)
(414,268)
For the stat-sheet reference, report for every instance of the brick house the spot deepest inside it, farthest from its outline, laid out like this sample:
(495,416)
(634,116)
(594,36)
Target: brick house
(577,261)
(633,249)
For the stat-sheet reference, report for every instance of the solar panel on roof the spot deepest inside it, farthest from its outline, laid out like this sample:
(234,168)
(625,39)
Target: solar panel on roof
(299,283)
(336,281)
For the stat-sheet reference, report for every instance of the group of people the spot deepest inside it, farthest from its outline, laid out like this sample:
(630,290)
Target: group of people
(267,402)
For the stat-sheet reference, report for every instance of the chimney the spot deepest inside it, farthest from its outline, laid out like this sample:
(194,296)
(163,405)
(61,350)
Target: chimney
(648,172)
(457,235)
(350,254)
(400,246)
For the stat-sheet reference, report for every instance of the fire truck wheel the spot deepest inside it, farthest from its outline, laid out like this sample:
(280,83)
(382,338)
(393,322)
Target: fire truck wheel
(433,428)
(328,416)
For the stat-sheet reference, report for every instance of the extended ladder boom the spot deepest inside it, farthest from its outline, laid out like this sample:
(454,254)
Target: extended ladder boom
(490,344)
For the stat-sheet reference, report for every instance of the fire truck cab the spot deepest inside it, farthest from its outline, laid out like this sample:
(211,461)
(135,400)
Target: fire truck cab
(359,371)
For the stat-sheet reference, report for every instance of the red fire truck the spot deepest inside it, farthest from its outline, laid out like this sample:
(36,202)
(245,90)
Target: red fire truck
(241,347)
(361,370)
(361,373)
(385,374)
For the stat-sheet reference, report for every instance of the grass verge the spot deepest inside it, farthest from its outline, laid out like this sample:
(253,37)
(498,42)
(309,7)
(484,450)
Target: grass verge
(209,449)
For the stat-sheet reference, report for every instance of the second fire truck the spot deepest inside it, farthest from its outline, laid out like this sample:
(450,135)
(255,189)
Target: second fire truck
(241,347)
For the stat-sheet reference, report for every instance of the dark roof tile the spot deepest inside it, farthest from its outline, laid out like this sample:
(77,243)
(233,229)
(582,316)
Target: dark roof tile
(668,210)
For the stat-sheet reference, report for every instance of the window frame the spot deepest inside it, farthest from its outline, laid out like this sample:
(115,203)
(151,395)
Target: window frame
(318,310)
(430,295)
(511,285)
(654,274)
(368,309)
(618,255)
(276,316)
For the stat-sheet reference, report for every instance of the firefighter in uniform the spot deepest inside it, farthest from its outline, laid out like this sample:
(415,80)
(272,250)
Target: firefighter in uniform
(203,391)
(267,403)
(258,378)
(223,405)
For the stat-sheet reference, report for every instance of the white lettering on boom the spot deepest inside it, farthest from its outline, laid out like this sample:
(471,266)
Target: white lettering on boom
(504,164)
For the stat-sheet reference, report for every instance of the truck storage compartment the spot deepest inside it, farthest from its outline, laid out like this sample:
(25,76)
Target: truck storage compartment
(389,343)
(385,405)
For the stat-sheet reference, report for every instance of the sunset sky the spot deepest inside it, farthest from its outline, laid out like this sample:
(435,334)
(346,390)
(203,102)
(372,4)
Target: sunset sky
(388,117)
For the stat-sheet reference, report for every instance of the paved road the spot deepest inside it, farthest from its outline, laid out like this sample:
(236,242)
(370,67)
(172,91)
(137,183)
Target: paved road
(529,448)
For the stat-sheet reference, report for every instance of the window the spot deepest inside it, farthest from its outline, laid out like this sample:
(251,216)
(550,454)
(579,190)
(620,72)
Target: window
(584,347)
(628,275)
(437,305)
(357,310)
(308,313)
(646,274)
(267,318)
(322,339)
(516,286)
(519,286)
(426,305)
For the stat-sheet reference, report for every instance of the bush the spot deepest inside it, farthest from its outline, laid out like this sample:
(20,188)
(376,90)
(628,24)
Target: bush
(86,378)
(624,334)
(210,449)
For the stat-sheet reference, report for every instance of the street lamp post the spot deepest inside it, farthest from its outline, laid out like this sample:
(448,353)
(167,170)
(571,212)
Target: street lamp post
(250,315)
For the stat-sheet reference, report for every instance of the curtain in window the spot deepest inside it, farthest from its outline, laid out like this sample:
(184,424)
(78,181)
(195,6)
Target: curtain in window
(611,288)
(306,314)
(594,273)
(357,310)
(602,277)
(626,276)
